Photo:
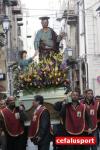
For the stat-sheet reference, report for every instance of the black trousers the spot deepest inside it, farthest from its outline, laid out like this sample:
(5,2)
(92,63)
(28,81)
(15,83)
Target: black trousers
(44,146)
(3,142)
(14,143)
(25,137)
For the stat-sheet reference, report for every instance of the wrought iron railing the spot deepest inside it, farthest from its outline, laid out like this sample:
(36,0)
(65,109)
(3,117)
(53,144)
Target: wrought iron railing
(2,40)
(10,2)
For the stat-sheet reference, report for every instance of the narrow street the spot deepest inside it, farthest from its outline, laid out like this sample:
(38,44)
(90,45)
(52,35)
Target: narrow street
(49,73)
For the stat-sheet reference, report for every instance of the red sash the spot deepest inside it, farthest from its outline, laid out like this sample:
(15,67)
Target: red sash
(12,125)
(34,127)
(92,111)
(75,119)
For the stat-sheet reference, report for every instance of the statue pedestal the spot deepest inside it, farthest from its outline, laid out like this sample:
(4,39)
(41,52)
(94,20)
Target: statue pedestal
(50,96)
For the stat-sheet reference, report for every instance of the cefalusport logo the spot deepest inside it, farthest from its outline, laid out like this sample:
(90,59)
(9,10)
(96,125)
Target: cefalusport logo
(81,140)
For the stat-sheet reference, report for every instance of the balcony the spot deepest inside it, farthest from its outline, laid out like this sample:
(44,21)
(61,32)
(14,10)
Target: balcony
(12,55)
(2,40)
(19,18)
(10,2)
(20,24)
(14,2)
(2,37)
(16,10)
(71,16)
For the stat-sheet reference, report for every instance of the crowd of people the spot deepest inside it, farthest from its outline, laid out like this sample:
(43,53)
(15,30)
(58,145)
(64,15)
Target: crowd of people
(79,117)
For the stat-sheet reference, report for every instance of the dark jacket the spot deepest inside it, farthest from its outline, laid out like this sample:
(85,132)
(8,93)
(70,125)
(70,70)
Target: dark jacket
(44,128)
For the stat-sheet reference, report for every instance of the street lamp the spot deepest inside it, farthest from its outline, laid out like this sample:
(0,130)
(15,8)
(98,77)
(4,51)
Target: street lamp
(29,36)
(6,24)
(69,52)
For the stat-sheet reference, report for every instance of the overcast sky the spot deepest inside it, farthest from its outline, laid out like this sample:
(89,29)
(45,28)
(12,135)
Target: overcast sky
(37,8)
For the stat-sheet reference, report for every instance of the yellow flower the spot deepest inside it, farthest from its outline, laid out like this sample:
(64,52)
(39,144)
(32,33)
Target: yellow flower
(58,79)
(56,83)
(64,75)
(50,76)
(59,73)
(21,76)
(34,75)
(25,79)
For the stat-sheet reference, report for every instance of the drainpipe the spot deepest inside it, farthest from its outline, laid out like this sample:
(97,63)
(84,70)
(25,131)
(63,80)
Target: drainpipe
(86,63)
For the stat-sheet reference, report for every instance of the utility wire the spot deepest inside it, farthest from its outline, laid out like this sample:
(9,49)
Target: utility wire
(36,9)
(93,5)
(33,9)
(51,10)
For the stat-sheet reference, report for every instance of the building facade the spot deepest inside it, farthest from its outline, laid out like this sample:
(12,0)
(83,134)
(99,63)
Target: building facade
(89,44)
(13,44)
(81,20)
(69,24)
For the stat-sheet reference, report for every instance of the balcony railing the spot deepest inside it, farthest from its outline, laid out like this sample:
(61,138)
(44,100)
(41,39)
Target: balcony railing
(2,37)
(12,55)
(19,18)
(16,10)
(71,16)
(10,2)
(2,40)
(20,24)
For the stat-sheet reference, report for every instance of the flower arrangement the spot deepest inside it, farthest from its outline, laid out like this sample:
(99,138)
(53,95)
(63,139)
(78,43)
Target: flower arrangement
(48,73)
